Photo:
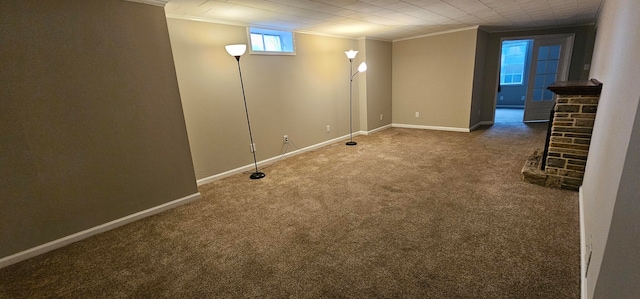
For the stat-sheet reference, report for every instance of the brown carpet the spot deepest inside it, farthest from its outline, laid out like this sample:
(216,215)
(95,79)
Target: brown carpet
(404,214)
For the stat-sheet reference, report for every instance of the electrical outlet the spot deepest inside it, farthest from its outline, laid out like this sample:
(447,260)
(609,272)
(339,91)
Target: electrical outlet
(417,114)
(380,116)
(328,128)
(285,139)
(252,147)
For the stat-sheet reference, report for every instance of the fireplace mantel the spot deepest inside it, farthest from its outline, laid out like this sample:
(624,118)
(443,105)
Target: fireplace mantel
(591,87)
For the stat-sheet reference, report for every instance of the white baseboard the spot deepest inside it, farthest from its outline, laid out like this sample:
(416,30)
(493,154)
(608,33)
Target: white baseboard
(583,248)
(482,123)
(250,167)
(452,129)
(40,249)
(376,130)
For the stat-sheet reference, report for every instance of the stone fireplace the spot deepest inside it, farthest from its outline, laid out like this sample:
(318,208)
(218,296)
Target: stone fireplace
(563,160)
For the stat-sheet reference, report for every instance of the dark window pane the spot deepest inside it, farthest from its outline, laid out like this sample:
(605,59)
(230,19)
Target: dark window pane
(537,94)
(554,52)
(552,66)
(548,95)
(541,67)
(543,53)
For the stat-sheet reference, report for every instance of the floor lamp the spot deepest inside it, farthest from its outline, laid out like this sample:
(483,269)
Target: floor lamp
(351,54)
(237,51)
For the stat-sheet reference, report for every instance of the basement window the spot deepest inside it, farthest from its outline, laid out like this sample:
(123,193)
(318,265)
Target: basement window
(512,63)
(270,41)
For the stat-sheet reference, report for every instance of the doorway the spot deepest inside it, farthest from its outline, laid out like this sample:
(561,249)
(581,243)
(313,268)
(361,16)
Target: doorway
(515,62)
(528,65)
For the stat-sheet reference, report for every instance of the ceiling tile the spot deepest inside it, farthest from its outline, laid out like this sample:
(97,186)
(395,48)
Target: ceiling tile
(387,19)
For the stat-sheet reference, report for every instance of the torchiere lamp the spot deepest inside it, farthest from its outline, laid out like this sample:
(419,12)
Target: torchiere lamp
(237,51)
(351,54)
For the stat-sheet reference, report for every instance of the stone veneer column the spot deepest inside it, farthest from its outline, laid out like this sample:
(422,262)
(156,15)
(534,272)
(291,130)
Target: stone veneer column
(575,113)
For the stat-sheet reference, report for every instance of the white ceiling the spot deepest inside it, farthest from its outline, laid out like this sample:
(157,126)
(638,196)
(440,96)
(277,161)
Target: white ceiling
(387,19)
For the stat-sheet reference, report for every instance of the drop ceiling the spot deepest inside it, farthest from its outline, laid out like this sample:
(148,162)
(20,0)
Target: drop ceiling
(387,19)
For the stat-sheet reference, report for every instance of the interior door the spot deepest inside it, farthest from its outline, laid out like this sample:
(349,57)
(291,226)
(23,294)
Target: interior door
(549,63)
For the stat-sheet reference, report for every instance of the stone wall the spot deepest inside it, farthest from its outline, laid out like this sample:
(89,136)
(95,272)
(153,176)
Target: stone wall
(570,138)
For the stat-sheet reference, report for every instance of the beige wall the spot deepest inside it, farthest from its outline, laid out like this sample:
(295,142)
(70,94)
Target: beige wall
(295,95)
(433,75)
(361,86)
(91,121)
(610,190)
(378,84)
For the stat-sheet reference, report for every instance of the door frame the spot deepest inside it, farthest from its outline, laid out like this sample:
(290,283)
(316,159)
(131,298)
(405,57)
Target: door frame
(570,42)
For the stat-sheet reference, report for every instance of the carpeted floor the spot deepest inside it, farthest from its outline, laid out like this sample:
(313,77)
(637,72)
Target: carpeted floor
(404,214)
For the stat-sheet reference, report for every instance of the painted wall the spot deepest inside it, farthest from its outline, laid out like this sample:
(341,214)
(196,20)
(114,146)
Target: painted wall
(478,78)
(378,84)
(582,50)
(91,122)
(434,75)
(295,95)
(611,189)
(361,86)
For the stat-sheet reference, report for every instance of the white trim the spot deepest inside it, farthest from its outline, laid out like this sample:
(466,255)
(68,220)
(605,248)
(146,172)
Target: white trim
(160,3)
(583,248)
(55,244)
(249,167)
(376,130)
(438,33)
(452,129)
(482,123)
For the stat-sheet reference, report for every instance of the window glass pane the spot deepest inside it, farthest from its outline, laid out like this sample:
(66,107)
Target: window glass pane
(270,40)
(554,52)
(549,79)
(256,42)
(272,43)
(552,66)
(518,69)
(539,82)
(543,53)
(517,79)
(508,78)
(547,95)
(537,94)
(541,67)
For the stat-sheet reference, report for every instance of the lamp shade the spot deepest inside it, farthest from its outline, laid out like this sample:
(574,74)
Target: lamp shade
(362,67)
(236,50)
(351,54)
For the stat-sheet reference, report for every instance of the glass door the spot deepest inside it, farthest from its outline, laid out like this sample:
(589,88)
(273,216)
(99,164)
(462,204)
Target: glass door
(550,63)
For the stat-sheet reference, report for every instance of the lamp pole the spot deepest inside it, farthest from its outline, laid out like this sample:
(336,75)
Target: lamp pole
(351,142)
(351,54)
(237,51)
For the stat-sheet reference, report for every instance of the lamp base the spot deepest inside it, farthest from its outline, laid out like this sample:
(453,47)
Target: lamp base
(351,143)
(257,175)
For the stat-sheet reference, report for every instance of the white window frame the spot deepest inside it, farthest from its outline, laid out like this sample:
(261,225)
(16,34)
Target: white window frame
(287,41)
